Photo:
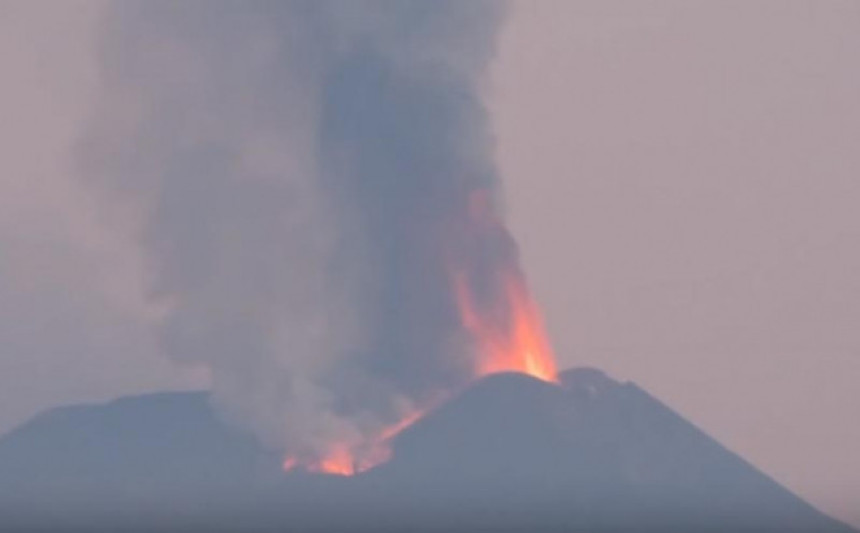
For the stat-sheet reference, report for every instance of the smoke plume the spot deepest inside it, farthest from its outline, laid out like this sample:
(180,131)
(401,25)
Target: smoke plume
(304,178)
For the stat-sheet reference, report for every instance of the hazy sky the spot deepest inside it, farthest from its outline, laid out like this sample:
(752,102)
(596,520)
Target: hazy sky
(682,177)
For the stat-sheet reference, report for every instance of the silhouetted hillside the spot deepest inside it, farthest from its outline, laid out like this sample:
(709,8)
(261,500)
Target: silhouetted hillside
(510,453)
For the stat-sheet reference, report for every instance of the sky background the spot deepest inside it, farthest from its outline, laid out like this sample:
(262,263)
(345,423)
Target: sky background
(682,177)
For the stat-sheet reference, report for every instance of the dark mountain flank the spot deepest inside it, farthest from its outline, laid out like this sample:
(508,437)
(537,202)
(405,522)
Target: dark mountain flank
(510,453)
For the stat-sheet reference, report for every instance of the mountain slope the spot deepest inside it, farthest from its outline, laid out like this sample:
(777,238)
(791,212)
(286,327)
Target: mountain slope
(592,453)
(509,453)
(136,456)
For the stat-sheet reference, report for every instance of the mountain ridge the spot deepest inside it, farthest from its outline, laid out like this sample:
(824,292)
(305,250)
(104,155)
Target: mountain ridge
(508,453)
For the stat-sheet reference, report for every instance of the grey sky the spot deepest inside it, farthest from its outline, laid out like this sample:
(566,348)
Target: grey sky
(72,323)
(681,175)
(683,179)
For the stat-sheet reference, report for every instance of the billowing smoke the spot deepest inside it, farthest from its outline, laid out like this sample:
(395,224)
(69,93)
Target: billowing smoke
(303,176)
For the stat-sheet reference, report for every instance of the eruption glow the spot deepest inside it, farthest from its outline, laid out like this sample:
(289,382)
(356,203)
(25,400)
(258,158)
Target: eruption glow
(506,334)
(312,185)
(342,460)
(515,344)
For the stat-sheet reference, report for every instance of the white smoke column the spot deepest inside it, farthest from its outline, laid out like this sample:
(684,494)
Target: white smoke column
(292,170)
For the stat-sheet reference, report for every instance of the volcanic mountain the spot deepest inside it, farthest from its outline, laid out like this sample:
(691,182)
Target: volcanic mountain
(510,453)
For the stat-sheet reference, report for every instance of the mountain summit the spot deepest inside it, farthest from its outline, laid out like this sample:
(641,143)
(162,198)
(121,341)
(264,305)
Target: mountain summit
(509,453)
(589,454)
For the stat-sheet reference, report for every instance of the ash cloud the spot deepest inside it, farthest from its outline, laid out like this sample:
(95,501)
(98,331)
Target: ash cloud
(297,173)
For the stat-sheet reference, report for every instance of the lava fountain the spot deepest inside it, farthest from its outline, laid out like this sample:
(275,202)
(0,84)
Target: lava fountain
(497,315)
(495,306)
(517,343)
(314,196)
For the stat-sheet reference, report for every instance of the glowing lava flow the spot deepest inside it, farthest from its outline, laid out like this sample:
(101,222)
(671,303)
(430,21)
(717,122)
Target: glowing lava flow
(504,326)
(338,461)
(508,339)
(341,460)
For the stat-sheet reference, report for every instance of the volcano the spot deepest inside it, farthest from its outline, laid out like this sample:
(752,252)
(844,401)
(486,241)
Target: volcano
(510,453)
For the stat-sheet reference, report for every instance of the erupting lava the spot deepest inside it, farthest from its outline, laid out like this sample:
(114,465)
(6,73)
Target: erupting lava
(504,325)
(512,343)
(343,461)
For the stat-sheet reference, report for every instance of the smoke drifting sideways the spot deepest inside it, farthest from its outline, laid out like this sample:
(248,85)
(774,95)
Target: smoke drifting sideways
(303,177)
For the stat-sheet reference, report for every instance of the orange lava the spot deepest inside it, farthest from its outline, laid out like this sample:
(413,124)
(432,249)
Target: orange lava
(341,460)
(510,338)
(506,330)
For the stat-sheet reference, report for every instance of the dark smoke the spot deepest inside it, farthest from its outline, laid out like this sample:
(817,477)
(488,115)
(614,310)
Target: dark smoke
(297,173)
